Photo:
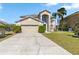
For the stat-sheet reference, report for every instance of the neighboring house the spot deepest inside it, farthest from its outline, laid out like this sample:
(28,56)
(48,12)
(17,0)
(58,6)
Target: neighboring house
(31,22)
(2,30)
(72,19)
(5,23)
(2,22)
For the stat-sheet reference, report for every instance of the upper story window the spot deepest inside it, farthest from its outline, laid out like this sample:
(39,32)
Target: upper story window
(45,18)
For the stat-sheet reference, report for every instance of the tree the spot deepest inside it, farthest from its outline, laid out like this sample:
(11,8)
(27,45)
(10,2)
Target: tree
(60,13)
(54,15)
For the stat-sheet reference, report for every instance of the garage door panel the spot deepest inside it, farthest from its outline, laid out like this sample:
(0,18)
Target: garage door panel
(29,28)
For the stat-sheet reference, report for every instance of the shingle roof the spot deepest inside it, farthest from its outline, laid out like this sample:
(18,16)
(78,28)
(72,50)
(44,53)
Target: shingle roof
(46,11)
(2,22)
(72,14)
(27,18)
(33,16)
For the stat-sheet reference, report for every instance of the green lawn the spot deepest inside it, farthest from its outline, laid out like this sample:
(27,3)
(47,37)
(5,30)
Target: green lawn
(65,40)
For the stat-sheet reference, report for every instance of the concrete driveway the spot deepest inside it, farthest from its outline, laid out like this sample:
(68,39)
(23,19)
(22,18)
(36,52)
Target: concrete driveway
(30,44)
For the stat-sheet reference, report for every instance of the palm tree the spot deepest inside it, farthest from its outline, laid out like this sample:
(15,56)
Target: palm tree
(54,14)
(60,13)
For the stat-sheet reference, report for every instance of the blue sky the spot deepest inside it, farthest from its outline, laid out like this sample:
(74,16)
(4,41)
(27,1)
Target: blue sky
(11,12)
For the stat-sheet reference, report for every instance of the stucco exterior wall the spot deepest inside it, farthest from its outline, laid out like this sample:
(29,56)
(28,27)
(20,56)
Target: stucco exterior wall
(28,21)
(48,25)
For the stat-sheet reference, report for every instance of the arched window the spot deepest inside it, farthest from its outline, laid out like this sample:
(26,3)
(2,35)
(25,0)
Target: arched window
(45,18)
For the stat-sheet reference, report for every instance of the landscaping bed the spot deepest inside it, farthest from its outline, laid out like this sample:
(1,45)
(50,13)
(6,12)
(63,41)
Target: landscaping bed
(65,40)
(8,30)
(7,35)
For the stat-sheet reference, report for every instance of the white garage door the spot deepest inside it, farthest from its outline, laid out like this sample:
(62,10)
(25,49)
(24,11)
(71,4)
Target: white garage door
(29,29)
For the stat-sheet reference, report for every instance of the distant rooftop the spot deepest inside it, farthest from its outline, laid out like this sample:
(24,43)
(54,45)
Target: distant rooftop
(3,22)
(34,15)
(72,14)
(25,16)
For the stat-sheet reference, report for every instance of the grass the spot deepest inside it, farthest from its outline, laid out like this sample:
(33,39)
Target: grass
(65,40)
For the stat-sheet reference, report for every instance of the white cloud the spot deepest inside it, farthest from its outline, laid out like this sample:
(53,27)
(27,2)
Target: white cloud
(50,4)
(1,6)
(72,6)
(2,19)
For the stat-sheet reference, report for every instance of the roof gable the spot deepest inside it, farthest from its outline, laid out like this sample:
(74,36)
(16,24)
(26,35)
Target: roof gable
(27,18)
(45,11)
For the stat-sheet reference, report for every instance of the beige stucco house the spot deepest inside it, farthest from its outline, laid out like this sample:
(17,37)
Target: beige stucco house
(31,22)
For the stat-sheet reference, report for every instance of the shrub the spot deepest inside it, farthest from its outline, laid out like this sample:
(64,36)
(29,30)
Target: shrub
(76,32)
(16,29)
(76,29)
(2,26)
(2,30)
(42,28)
(5,26)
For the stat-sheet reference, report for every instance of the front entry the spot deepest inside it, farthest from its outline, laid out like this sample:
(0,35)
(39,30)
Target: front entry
(45,19)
